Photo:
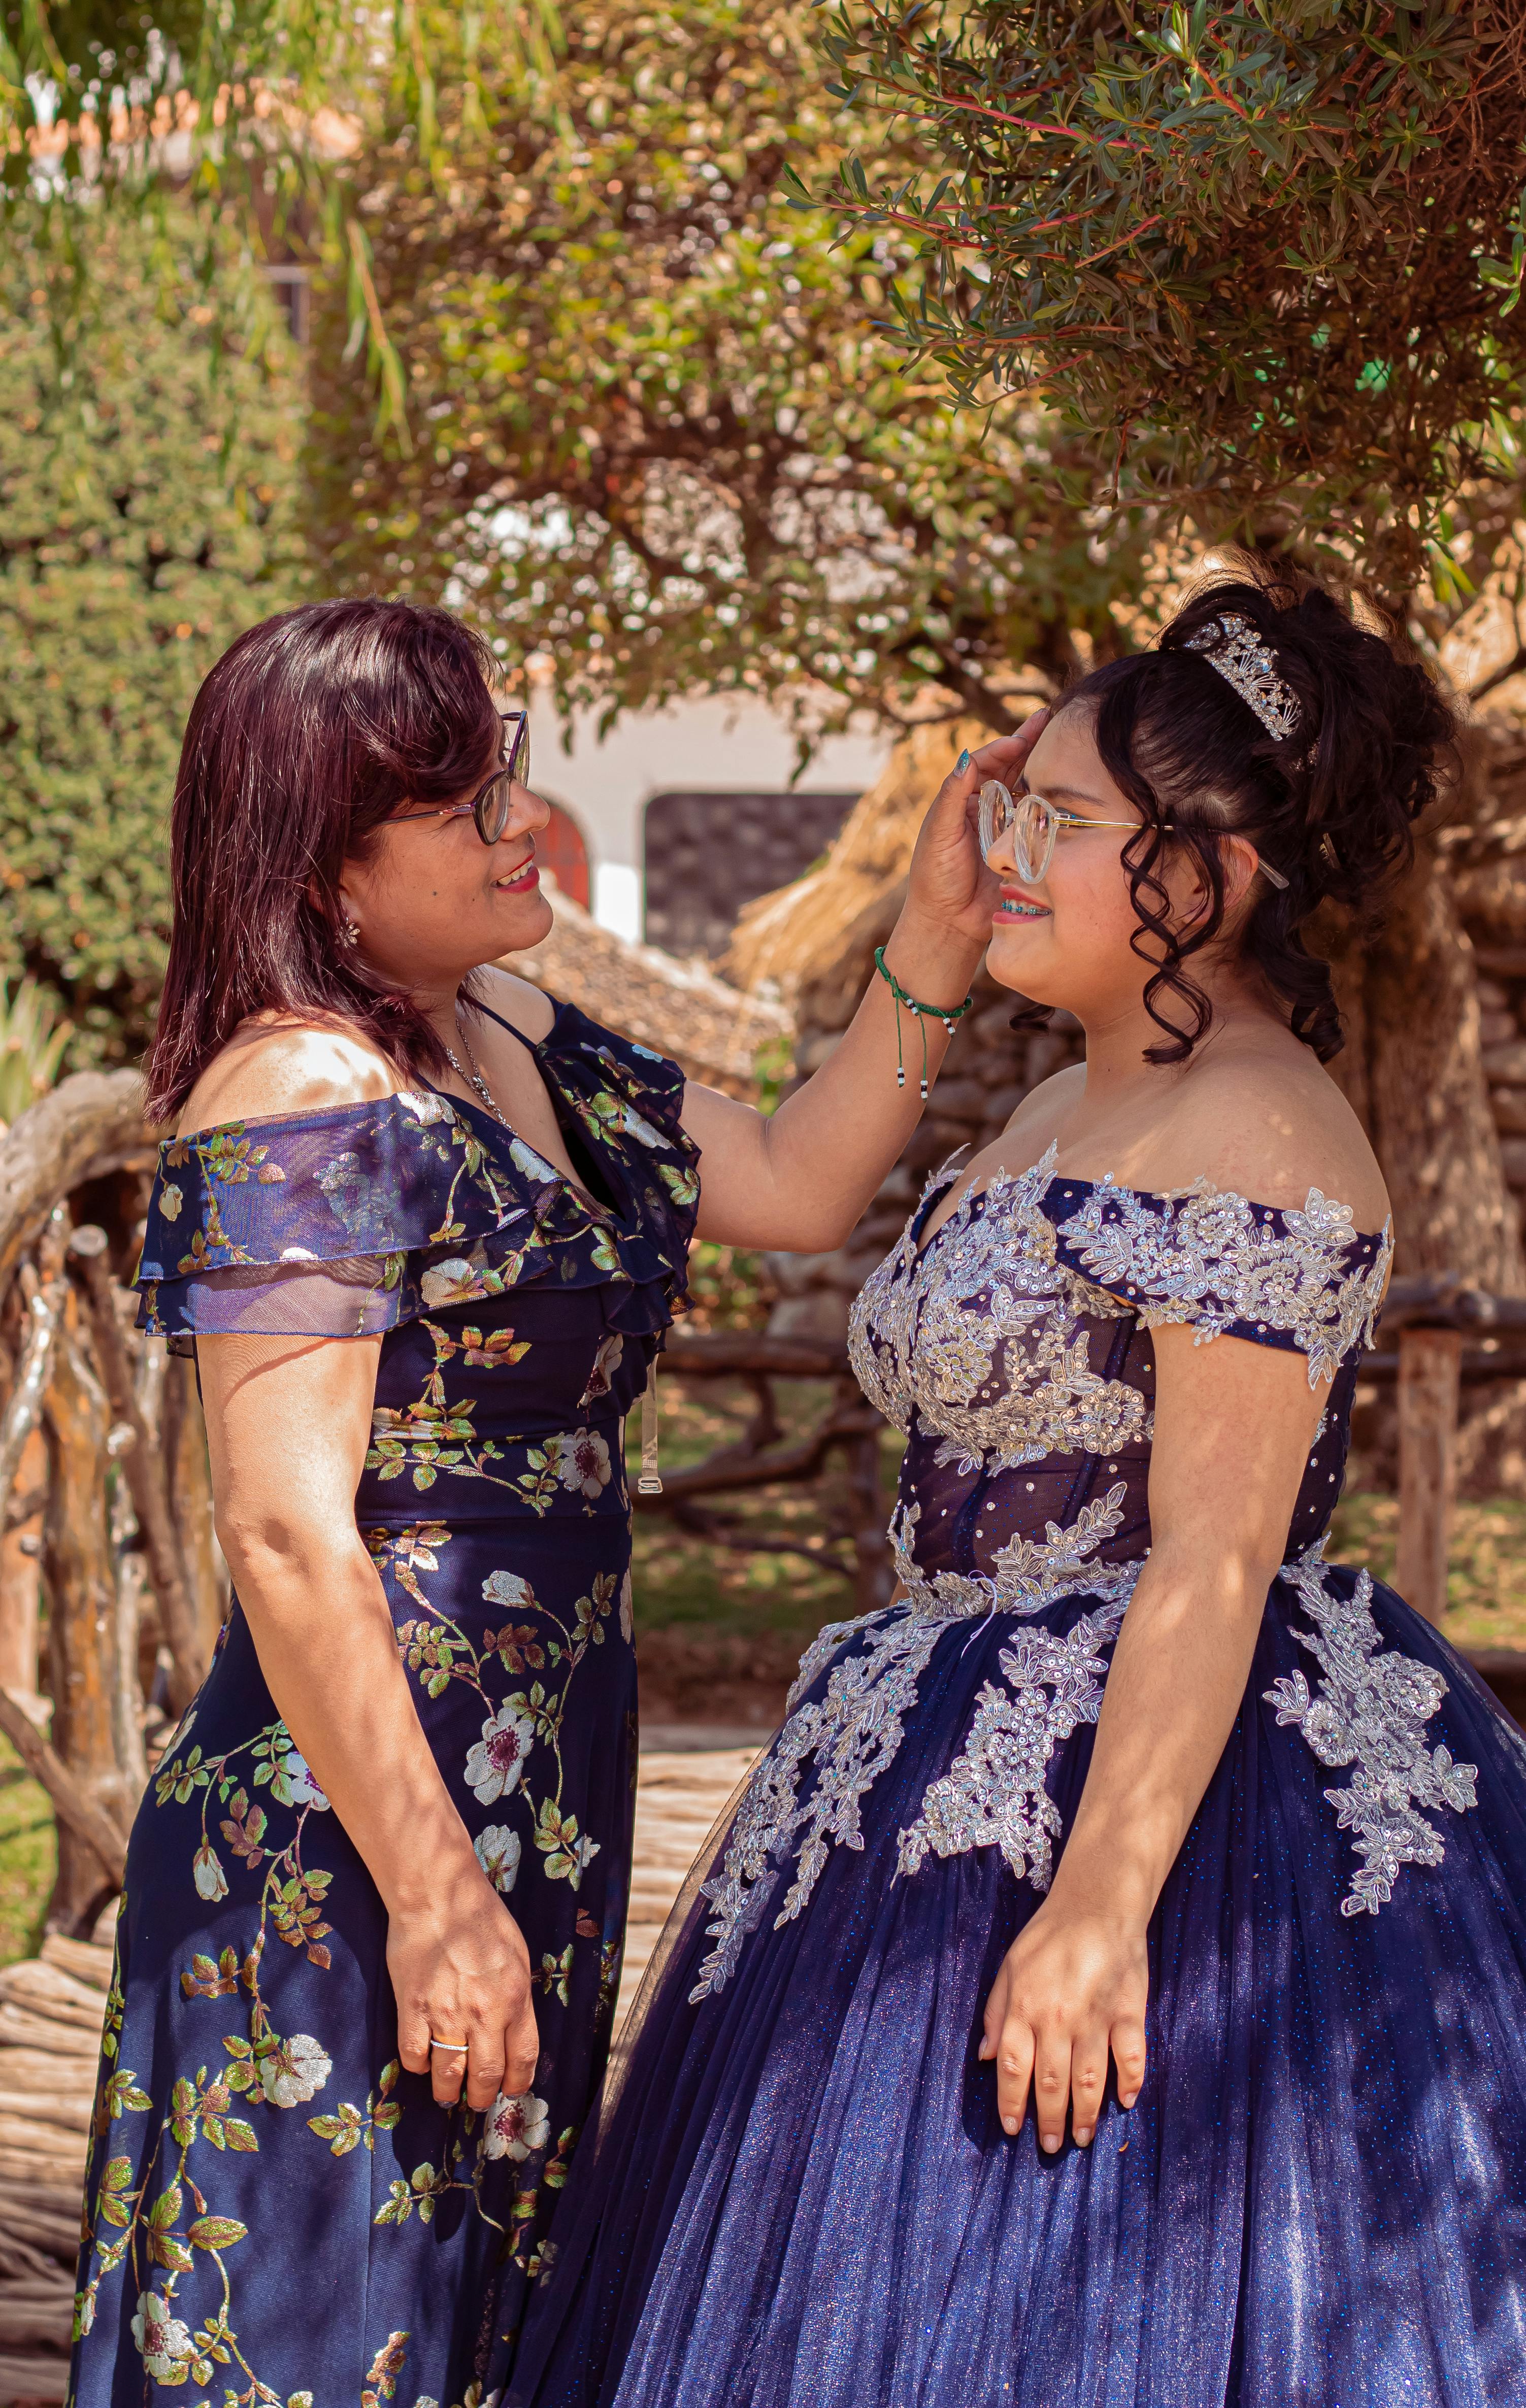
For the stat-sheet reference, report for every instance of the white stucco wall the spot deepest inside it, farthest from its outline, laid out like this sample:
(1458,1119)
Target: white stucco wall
(706,746)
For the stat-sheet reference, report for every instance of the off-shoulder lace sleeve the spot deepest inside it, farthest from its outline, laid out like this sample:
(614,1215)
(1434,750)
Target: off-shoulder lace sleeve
(1306,1280)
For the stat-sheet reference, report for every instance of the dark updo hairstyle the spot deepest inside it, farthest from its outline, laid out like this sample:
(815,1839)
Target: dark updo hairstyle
(312,729)
(1333,807)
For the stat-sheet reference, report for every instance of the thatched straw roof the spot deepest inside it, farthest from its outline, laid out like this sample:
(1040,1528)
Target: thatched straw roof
(677,1008)
(814,940)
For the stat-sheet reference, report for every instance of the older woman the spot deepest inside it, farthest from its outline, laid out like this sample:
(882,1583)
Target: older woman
(424,1229)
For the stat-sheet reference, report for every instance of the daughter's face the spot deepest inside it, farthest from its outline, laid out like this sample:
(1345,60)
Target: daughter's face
(1065,940)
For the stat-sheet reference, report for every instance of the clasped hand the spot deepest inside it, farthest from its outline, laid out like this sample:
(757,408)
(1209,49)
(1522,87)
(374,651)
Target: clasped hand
(1072,1989)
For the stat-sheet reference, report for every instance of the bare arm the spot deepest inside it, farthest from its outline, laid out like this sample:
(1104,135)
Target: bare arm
(288,1421)
(800,1179)
(1233,1426)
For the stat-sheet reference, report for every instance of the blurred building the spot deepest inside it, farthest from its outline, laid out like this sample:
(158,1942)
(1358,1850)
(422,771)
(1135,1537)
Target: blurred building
(667,826)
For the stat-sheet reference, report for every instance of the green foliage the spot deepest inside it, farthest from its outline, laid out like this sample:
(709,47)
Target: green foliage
(1268,255)
(33,1044)
(148,513)
(656,432)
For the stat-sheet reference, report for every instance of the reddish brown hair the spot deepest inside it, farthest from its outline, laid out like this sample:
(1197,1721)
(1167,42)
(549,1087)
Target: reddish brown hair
(310,732)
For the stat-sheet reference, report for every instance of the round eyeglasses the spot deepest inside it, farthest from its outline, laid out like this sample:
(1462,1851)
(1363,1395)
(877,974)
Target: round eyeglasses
(491,803)
(1035,824)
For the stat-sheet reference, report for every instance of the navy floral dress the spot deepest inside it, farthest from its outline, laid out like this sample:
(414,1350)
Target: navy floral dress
(276,2212)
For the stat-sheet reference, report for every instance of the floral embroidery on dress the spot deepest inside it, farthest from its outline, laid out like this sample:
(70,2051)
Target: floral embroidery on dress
(980,1335)
(1370,1711)
(855,1731)
(993,1795)
(1211,1258)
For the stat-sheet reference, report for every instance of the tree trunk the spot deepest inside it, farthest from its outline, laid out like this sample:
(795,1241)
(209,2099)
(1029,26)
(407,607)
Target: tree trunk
(80,1569)
(1431,1117)
(189,1475)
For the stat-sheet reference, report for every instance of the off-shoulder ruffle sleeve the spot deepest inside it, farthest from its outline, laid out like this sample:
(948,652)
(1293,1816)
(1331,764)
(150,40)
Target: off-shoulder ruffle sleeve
(1305,1280)
(349,1221)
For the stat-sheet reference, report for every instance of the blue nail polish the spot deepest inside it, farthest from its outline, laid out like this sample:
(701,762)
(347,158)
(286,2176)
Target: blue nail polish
(963,763)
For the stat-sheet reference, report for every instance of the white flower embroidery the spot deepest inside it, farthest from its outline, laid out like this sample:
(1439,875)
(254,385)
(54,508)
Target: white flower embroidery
(496,1761)
(583,1461)
(294,1783)
(507,1588)
(533,1165)
(1370,1712)
(627,1616)
(206,1872)
(517,2127)
(170,1201)
(163,2343)
(498,1851)
(606,1364)
(430,1110)
(296,2071)
(455,1281)
(642,1131)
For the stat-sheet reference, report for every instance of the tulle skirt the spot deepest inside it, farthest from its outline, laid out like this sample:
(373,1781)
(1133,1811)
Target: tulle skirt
(800,2194)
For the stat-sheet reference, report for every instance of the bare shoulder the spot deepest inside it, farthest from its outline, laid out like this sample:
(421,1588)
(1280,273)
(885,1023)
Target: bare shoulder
(1043,1113)
(1270,1127)
(268,1070)
(515,999)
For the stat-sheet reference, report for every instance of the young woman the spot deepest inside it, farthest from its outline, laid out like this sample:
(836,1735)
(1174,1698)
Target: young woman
(424,1229)
(1111,1987)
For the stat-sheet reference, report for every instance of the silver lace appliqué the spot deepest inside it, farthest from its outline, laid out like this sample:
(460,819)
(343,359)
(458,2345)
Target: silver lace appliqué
(1215,1260)
(853,1732)
(994,1794)
(982,1333)
(1370,1711)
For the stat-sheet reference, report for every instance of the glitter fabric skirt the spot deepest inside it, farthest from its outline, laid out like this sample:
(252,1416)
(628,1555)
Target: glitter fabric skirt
(801,2196)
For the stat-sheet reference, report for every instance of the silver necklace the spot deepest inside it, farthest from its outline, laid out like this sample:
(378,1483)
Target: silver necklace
(473,1078)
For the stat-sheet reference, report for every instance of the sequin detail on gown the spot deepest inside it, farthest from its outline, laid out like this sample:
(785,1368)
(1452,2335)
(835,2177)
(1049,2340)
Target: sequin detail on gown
(800,2190)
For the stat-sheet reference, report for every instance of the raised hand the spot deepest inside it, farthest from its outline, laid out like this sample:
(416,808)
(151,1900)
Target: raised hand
(950,886)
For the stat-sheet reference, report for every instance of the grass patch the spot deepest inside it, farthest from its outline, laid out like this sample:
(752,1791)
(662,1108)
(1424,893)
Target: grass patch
(1486,1581)
(28,1858)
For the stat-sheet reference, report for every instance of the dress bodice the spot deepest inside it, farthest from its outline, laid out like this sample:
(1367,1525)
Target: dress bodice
(1016,1350)
(518,1310)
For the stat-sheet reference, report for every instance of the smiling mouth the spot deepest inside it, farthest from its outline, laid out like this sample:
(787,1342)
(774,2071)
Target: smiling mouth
(519,880)
(1014,906)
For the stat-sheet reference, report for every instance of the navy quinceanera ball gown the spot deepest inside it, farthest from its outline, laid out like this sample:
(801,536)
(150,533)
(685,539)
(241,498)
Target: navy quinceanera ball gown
(800,2194)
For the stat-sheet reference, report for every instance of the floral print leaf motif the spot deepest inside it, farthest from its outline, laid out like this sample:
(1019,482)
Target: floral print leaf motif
(1370,1712)
(993,1795)
(569,1853)
(386,2366)
(556,1973)
(517,2127)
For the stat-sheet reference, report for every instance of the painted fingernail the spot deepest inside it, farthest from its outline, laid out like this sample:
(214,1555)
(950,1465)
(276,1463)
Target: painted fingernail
(1126,2100)
(1009,2123)
(985,2050)
(1051,2141)
(1083,2134)
(963,763)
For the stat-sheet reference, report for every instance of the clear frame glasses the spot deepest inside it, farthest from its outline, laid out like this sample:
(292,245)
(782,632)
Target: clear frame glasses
(491,804)
(1035,824)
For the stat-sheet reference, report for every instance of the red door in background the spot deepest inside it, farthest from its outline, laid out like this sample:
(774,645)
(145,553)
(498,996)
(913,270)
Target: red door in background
(560,849)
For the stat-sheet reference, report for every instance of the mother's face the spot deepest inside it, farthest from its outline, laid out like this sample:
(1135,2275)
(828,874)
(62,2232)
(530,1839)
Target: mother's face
(431,900)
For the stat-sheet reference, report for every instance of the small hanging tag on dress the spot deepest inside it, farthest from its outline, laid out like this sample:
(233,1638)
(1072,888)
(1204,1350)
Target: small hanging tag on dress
(649,1483)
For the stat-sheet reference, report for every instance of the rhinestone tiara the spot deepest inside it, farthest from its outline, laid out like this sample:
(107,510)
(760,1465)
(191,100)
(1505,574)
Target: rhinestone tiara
(1241,654)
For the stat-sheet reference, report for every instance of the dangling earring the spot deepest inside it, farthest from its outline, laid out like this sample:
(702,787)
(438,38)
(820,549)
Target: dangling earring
(349,933)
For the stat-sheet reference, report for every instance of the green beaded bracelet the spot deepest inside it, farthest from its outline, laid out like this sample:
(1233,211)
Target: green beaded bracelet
(949,1013)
